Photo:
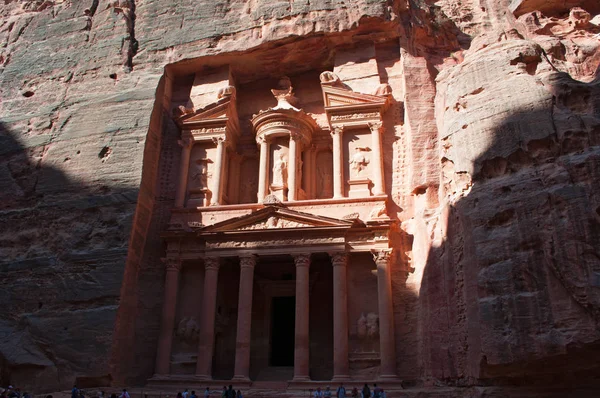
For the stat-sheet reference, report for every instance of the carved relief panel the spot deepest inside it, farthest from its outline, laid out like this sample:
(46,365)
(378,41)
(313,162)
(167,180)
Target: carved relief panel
(248,184)
(357,162)
(200,175)
(324,174)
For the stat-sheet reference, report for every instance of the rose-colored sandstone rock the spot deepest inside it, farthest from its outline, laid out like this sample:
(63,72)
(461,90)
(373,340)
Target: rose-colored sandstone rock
(489,156)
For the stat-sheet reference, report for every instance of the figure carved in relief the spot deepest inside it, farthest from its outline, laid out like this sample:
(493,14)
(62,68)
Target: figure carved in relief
(372,324)
(188,330)
(361,326)
(326,182)
(199,178)
(280,171)
(359,161)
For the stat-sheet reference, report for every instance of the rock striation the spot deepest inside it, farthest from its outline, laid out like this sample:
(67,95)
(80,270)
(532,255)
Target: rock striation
(491,164)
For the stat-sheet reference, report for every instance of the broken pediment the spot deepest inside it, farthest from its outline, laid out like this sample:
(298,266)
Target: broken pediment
(216,117)
(273,217)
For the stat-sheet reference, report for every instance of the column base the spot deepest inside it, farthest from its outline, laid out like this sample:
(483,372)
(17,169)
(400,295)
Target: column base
(389,378)
(300,379)
(340,378)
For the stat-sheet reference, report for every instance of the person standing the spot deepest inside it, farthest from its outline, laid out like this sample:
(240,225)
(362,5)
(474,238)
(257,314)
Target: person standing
(74,392)
(230,392)
(239,394)
(124,394)
(366,392)
(318,393)
(185,393)
(207,393)
(193,394)
(327,393)
(223,393)
(376,391)
(341,392)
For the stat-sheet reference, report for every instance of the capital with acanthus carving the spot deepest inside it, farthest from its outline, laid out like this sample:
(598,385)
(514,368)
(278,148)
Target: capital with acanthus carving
(248,261)
(186,142)
(339,259)
(212,263)
(382,257)
(172,263)
(336,130)
(302,260)
(376,126)
(219,140)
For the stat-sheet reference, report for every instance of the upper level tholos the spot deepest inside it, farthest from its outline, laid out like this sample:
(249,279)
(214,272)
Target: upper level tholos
(308,138)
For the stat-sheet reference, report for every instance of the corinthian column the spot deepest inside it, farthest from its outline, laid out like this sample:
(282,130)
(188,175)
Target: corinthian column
(377,159)
(219,171)
(263,168)
(184,166)
(387,346)
(301,349)
(244,320)
(163,355)
(293,166)
(338,170)
(207,325)
(340,317)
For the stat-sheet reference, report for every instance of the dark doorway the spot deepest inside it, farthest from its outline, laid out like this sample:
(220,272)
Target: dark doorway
(283,310)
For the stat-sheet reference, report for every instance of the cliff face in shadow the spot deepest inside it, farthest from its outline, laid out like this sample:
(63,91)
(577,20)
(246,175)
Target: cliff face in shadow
(510,289)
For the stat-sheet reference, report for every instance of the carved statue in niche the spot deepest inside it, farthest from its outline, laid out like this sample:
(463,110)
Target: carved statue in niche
(359,161)
(325,173)
(248,180)
(280,170)
(199,175)
(367,328)
(188,330)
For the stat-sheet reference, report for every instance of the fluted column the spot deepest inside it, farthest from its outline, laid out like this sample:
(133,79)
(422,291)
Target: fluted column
(340,316)
(377,159)
(163,355)
(386,314)
(301,338)
(307,176)
(184,166)
(293,166)
(338,170)
(219,171)
(263,168)
(207,326)
(244,320)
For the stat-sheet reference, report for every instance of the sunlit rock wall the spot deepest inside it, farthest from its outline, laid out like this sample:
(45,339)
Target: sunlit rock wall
(494,169)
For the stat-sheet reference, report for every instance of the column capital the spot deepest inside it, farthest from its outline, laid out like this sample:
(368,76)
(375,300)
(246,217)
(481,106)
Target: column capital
(221,139)
(302,260)
(248,261)
(186,142)
(172,263)
(295,136)
(212,263)
(261,139)
(382,256)
(339,259)
(376,126)
(336,130)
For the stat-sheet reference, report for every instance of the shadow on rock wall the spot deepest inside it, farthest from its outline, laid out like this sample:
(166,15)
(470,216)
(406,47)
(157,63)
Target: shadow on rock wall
(512,294)
(62,250)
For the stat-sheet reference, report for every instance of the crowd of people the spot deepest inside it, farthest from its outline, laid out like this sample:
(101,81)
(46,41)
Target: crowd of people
(12,392)
(365,392)
(227,392)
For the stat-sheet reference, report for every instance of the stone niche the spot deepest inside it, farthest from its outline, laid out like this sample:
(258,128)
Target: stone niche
(243,141)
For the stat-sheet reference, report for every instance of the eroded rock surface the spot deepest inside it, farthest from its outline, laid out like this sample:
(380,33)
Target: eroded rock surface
(492,167)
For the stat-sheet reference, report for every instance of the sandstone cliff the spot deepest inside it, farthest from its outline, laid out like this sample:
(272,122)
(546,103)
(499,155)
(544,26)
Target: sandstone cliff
(492,167)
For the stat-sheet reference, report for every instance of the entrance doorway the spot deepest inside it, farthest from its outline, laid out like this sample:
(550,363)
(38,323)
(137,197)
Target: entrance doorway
(283,321)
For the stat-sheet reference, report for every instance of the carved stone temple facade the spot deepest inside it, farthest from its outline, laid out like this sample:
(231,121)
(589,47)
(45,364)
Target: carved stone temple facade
(279,248)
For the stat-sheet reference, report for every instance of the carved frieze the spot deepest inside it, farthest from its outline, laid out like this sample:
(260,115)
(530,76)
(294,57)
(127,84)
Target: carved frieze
(354,116)
(275,222)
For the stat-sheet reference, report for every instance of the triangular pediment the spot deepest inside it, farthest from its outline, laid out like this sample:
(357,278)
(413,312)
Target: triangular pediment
(276,217)
(338,96)
(218,110)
